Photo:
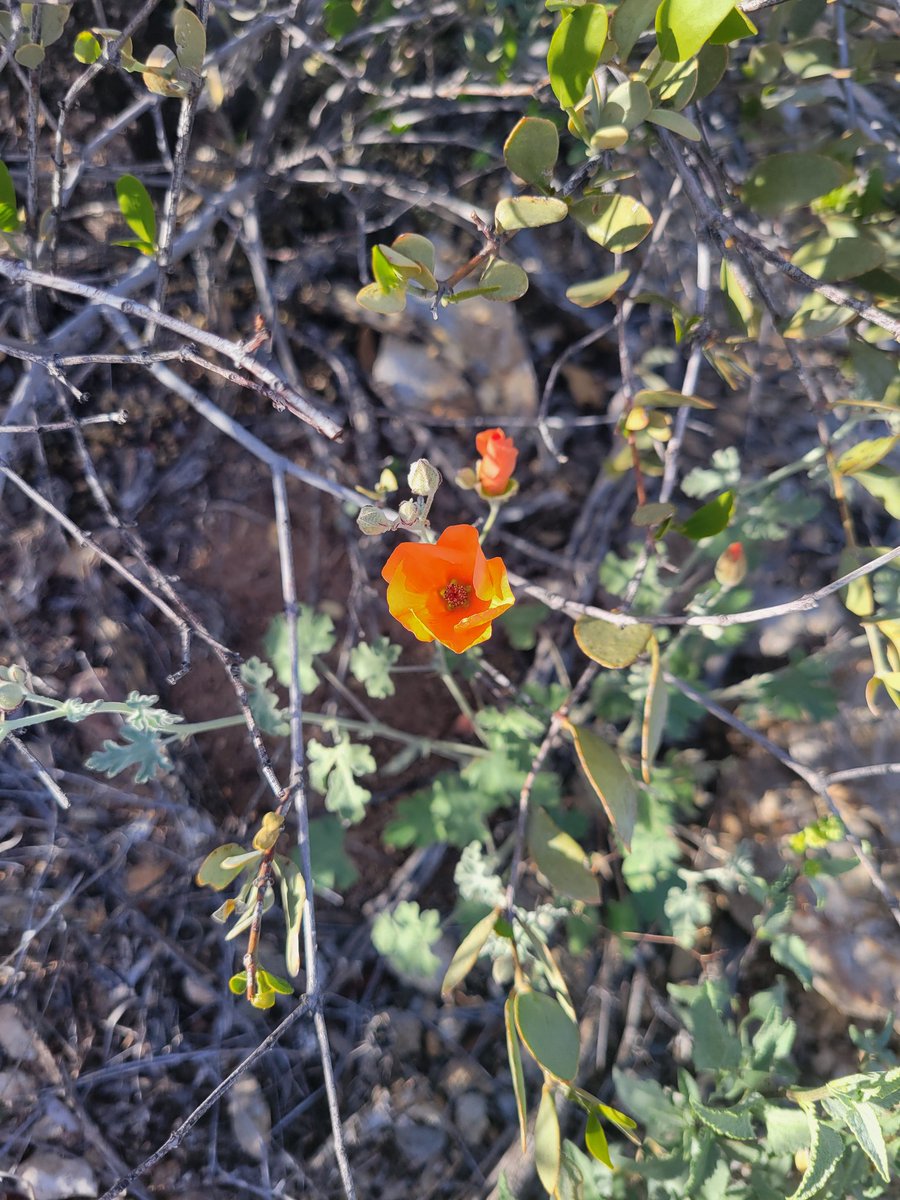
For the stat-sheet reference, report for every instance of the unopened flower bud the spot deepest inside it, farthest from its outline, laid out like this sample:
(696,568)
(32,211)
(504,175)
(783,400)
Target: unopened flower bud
(409,512)
(372,521)
(11,696)
(424,479)
(731,565)
(466,479)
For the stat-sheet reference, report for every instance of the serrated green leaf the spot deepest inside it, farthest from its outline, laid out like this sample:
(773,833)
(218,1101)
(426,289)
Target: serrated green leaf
(137,208)
(332,868)
(468,953)
(87,49)
(824,1155)
(370,665)
(711,519)
(683,26)
(315,635)
(405,937)
(531,150)
(9,214)
(549,1033)
(611,645)
(139,748)
(613,785)
(547,1144)
(561,859)
(529,212)
(783,182)
(574,52)
(596,291)
(729,1122)
(861,1119)
(264,703)
(333,771)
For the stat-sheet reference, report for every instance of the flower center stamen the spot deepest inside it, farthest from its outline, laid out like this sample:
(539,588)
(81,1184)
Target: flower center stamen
(456,595)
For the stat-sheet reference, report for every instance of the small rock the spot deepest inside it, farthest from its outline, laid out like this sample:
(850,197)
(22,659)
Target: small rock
(462,1075)
(58,1176)
(406,1034)
(419,1135)
(57,1123)
(470,1113)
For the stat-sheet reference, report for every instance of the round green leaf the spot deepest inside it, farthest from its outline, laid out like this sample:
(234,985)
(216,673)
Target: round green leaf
(629,21)
(611,645)
(547,1151)
(617,222)
(416,248)
(531,150)
(550,1035)
(596,291)
(609,137)
(87,48)
(574,52)
(734,27)
(212,871)
(374,298)
(561,859)
(503,281)
(627,105)
(529,212)
(834,259)
(614,786)
(30,55)
(785,181)
(53,21)
(190,40)
(683,26)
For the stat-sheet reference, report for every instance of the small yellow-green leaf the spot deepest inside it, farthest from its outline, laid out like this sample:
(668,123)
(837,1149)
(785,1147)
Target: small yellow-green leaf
(662,398)
(30,55)
(469,949)
(515,1066)
(683,26)
(621,1121)
(87,49)
(269,831)
(734,27)
(531,150)
(608,137)
(561,859)
(243,859)
(529,212)
(672,83)
(866,454)
(547,1141)
(711,519)
(549,1033)
(596,291)
(738,304)
(627,104)
(656,706)
(137,208)
(574,52)
(408,270)
(386,274)
(884,484)
(273,983)
(834,259)
(675,122)
(648,515)
(503,281)
(374,298)
(293,900)
(595,1140)
(815,318)
(416,248)
(617,222)
(782,182)
(606,774)
(611,645)
(245,920)
(238,983)
(9,215)
(190,40)
(213,873)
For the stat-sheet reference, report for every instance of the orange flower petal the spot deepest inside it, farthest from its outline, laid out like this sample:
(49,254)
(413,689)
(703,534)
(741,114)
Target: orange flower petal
(498,460)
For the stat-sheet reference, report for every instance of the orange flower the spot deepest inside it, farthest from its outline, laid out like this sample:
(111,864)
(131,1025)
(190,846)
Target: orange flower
(498,460)
(447,592)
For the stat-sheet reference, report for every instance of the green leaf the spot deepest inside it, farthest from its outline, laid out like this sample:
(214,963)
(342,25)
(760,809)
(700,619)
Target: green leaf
(683,26)
(52,19)
(734,27)
(738,304)
(547,1141)
(531,150)
(146,248)
(293,899)
(529,212)
(137,208)
(787,1129)
(596,291)
(30,55)
(549,1033)
(884,484)
(561,859)
(212,873)
(861,1119)
(836,259)
(595,1140)
(238,983)
(9,214)
(574,53)
(712,63)
(815,318)
(617,222)
(824,1155)
(417,249)
(627,105)
(728,1122)
(675,123)
(715,1047)
(264,703)
(468,953)
(515,1066)
(248,911)
(273,983)
(332,868)
(333,771)
(315,635)
(647,516)
(139,748)
(405,937)
(711,519)
(664,398)
(865,455)
(242,859)
(370,665)
(409,270)
(611,645)
(613,785)
(656,707)
(672,83)
(503,281)
(629,20)
(782,182)
(387,277)
(87,49)
(190,40)
(522,622)
(374,298)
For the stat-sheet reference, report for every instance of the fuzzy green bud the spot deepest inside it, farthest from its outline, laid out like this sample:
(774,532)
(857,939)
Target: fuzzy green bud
(372,521)
(424,479)
(409,512)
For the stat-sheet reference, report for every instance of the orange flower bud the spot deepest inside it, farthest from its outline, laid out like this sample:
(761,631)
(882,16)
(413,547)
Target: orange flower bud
(447,592)
(731,565)
(498,460)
